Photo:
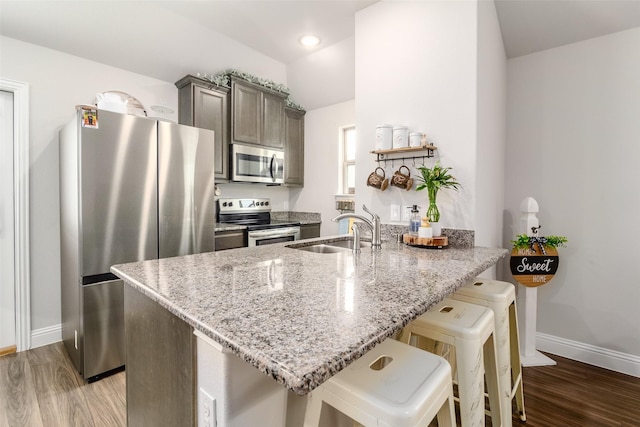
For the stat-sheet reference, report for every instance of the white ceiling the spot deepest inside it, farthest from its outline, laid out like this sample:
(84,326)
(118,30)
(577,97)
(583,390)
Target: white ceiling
(151,37)
(533,25)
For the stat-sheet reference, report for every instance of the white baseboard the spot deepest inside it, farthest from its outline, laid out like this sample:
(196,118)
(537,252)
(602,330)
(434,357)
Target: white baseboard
(45,336)
(591,354)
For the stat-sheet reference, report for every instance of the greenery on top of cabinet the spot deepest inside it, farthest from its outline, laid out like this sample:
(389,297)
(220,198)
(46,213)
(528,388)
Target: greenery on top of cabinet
(223,78)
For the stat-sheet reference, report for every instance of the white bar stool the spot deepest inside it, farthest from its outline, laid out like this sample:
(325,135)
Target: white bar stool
(500,297)
(469,329)
(392,385)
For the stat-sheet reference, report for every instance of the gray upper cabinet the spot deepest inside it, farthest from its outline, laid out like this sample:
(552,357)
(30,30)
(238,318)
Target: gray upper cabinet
(257,115)
(294,147)
(204,105)
(273,130)
(246,113)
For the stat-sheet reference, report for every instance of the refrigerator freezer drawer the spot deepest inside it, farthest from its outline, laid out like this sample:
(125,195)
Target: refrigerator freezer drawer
(103,310)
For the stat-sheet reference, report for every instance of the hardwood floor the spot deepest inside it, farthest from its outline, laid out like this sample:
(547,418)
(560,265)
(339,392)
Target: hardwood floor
(40,387)
(574,394)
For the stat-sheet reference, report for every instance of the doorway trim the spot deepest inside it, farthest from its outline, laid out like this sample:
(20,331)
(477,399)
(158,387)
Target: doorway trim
(22,262)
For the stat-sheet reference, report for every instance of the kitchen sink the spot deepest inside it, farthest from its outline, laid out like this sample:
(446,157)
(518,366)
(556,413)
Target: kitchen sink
(322,249)
(330,247)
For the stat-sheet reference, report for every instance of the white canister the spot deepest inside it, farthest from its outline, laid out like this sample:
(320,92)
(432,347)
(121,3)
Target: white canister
(400,137)
(415,139)
(384,137)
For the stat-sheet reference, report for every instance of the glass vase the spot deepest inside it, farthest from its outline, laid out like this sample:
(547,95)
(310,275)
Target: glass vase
(433,214)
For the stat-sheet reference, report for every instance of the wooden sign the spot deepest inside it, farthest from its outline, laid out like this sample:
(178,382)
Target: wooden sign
(532,268)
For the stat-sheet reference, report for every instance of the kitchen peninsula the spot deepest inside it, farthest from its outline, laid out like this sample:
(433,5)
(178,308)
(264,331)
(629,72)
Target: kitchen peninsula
(273,318)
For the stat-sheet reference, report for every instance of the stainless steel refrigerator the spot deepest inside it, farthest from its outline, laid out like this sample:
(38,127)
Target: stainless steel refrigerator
(131,189)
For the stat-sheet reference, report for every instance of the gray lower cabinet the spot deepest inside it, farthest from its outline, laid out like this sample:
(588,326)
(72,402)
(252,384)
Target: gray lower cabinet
(160,363)
(257,115)
(230,239)
(204,105)
(309,231)
(294,147)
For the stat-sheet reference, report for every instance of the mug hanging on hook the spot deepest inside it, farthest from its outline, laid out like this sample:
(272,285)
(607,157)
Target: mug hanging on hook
(378,181)
(402,180)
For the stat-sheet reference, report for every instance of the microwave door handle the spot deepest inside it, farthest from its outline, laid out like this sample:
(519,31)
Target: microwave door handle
(273,165)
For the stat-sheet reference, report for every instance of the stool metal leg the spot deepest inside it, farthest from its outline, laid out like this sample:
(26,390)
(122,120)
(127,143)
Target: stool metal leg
(516,364)
(503,356)
(491,372)
(447,413)
(314,409)
(470,363)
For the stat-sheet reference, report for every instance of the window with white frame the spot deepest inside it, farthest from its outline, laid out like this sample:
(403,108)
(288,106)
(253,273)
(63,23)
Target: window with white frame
(348,156)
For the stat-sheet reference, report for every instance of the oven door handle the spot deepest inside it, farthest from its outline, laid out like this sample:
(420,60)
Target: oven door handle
(278,232)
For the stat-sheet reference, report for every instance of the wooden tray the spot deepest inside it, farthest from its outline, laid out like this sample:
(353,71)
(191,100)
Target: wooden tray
(430,242)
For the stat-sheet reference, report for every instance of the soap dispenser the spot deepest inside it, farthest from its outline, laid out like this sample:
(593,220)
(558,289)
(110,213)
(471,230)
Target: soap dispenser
(414,221)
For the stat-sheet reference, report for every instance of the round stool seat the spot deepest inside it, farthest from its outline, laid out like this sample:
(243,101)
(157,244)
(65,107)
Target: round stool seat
(490,290)
(391,385)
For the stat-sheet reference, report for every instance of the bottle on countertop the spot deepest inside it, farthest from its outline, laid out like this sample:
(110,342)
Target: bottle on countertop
(414,221)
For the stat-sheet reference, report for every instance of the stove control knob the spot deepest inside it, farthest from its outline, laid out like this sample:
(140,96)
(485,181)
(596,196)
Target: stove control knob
(224,203)
(261,203)
(230,204)
(266,203)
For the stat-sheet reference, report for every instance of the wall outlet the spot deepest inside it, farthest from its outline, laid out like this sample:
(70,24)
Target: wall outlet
(395,213)
(206,409)
(406,213)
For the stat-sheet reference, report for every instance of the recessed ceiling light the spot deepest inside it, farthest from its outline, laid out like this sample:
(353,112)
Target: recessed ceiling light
(309,40)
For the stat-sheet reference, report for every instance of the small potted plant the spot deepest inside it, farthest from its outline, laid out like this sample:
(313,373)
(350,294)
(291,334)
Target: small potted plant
(434,179)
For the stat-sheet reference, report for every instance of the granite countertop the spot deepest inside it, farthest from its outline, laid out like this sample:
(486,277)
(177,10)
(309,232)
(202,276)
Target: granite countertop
(304,218)
(300,317)
(220,226)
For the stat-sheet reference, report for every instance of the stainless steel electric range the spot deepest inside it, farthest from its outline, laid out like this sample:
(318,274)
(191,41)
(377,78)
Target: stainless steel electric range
(256,215)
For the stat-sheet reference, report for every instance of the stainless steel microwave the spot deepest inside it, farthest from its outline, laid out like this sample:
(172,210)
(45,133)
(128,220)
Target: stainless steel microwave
(257,164)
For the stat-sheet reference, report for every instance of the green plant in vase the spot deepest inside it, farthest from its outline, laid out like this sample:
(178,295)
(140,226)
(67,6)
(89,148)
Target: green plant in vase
(434,179)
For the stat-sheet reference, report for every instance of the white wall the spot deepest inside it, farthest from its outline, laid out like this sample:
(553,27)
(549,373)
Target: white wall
(573,144)
(58,82)
(491,110)
(416,64)
(321,162)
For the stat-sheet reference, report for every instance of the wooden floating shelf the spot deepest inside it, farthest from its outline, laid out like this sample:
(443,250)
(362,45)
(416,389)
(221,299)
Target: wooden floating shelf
(405,149)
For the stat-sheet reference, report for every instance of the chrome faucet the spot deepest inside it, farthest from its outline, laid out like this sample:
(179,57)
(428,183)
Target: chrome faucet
(373,224)
(356,238)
